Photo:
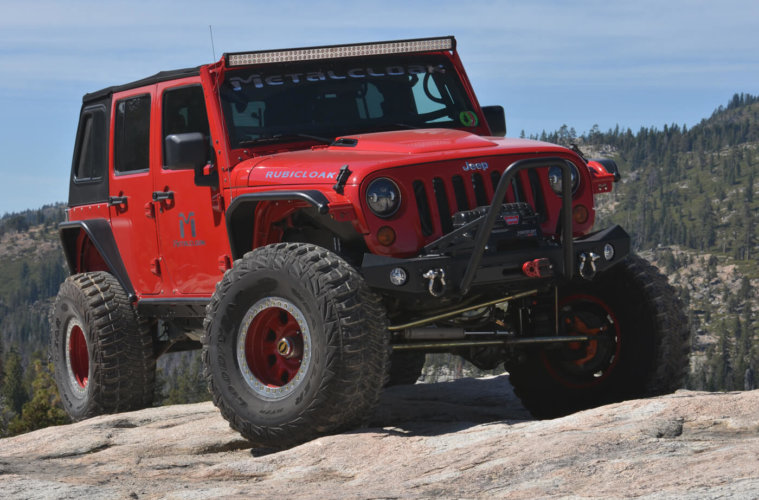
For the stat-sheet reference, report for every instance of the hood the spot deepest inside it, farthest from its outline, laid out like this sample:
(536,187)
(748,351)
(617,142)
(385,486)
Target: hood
(367,153)
(415,141)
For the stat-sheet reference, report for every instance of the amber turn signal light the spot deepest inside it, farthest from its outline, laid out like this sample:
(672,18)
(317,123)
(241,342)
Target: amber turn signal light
(580,214)
(386,236)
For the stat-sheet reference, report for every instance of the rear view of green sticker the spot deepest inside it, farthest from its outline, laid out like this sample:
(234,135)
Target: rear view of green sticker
(468,118)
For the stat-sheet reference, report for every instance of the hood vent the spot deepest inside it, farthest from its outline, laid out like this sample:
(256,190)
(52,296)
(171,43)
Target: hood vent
(345,142)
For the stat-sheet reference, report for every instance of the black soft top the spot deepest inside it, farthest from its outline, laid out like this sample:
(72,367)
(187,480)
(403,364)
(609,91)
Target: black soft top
(159,77)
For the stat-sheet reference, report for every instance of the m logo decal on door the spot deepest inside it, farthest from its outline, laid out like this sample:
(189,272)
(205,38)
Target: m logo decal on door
(190,221)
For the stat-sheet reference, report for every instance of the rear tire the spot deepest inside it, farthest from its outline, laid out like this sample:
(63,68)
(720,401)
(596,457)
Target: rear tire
(643,345)
(296,346)
(102,354)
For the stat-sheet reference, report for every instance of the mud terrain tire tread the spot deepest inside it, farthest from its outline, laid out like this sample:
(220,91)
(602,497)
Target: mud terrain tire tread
(356,340)
(671,324)
(122,365)
(661,356)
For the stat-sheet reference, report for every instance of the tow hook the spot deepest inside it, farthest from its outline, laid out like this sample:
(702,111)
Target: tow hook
(538,268)
(588,265)
(435,276)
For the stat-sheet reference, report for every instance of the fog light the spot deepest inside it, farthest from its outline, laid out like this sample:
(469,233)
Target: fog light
(386,236)
(398,276)
(580,214)
(608,251)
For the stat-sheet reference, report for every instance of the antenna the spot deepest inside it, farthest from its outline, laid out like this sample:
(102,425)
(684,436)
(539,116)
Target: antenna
(213,49)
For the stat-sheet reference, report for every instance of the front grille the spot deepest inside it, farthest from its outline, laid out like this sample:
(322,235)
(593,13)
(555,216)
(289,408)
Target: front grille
(423,205)
(439,198)
(460,192)
(443,208)
(516,187)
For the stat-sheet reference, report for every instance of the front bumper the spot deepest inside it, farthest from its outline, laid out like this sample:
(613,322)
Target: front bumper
(441,275)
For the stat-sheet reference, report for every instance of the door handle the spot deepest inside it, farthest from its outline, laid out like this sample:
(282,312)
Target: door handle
(163,195)
(114,201)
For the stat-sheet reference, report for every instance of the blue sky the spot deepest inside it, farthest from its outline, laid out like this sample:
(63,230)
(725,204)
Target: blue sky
(637,64)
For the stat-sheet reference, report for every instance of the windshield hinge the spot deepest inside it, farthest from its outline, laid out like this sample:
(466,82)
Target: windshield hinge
(577,150)
(342,178)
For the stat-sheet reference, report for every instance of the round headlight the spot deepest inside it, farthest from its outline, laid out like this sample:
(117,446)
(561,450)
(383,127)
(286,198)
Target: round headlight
(554,178)
(383,197)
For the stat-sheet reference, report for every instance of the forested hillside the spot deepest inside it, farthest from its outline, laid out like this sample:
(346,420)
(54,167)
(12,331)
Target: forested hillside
(31,271)
(688,197)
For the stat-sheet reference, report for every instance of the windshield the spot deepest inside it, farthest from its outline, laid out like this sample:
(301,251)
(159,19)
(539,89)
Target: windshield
(321,100)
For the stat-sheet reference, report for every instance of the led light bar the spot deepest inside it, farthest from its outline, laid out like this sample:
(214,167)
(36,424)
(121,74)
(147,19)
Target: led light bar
(341,51)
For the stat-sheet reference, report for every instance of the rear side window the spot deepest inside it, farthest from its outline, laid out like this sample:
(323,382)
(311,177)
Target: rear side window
(132,134)
(91,145)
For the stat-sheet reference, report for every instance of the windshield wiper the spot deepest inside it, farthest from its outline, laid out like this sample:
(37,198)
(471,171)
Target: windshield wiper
(276,138)
(389,127)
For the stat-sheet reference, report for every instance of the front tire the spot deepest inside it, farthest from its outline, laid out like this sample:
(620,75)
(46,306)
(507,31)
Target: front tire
(103,356)
(296,346)
(642,347)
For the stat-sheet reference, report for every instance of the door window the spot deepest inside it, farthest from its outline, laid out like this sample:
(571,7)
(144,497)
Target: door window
(184,110)
(132,135)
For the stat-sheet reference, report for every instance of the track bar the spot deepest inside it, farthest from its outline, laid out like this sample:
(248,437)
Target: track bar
(432,319)
(480,343)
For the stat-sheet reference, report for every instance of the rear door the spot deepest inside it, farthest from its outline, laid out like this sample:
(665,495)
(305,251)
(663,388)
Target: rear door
(131,188)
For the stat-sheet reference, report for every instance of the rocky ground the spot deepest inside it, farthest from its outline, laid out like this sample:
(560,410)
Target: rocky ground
(464,439)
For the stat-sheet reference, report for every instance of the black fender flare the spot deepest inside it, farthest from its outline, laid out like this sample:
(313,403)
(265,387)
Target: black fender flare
(240,219)
(101,235)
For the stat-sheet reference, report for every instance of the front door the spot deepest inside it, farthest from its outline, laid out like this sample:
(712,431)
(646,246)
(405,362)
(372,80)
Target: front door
(191,226)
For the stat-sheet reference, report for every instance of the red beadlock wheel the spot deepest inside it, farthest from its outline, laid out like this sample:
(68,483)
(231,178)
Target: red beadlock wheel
(274,347)
(77,360)
(585,364)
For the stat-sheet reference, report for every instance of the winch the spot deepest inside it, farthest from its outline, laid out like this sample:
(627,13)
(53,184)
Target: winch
(516,226)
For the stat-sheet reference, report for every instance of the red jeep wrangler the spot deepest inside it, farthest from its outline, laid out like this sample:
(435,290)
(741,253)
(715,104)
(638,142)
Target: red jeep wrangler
(317,220)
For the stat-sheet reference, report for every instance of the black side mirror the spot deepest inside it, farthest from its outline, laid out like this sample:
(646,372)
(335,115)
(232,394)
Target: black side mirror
(186,151)
(496,118)
(190,151)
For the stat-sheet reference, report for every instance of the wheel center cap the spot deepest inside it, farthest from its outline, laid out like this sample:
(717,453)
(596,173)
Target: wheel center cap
(285,348)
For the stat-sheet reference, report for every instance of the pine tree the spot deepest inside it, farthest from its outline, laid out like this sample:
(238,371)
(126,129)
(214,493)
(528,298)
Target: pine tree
(187,384)
(44,409)
(2,372)
(13,383)
(719,359)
